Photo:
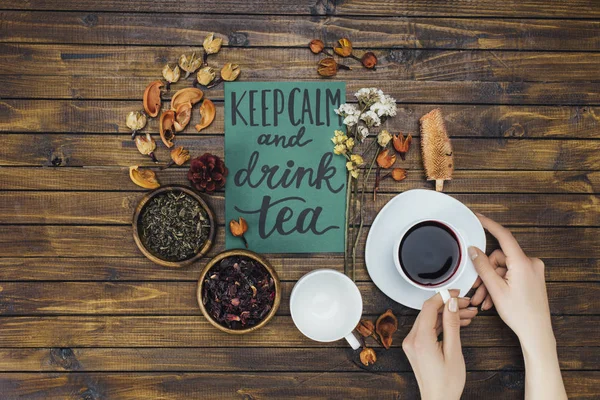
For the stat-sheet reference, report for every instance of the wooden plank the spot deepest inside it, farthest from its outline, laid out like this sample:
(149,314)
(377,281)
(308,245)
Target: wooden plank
(262,359)
(118,207)
(117,241)
(78,87)
(119,150)
(288,267)
(465,181)
(179,298)
(195,331)
(67,116)
(267,63)
(455,8)
(287,31)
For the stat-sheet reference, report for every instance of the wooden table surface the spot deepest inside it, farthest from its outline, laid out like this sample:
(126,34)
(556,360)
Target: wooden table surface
(83,315)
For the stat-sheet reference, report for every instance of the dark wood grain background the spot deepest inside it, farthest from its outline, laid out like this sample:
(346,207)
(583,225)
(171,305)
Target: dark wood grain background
(83,315)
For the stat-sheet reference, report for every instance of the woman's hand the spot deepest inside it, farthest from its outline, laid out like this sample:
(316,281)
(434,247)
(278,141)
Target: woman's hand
(439,366)
(517,288)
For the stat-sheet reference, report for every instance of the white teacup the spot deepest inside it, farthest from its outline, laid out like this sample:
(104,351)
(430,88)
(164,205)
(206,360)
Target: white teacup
(443,287)
(326,306)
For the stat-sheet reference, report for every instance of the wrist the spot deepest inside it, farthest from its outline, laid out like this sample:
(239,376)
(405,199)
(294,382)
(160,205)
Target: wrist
(539,349)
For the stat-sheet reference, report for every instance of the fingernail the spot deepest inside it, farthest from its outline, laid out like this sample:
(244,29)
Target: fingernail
(473,253)
(472,308)
(479,214)
(453,304)
(466,298)
(485,305)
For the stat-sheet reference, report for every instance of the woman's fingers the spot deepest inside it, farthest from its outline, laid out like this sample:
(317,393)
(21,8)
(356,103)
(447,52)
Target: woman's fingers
(507,241)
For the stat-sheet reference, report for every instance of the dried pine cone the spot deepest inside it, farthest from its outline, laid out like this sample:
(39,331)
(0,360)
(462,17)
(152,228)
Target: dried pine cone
(207,173)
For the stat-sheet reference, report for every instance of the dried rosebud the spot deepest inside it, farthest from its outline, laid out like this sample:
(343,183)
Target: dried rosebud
(327,67)
(189,63)
(205,75)
(146,146)
(230,72)
(386,159)
(365,328)
(398,174)
(171,75)
(344,49)
(136,120)
(179,155)
(237,229)
(369,60)
(383,138)
(151,99)
(402,145)
(143,178)
(316,46)
(385,327)
(368,356)
(211,44)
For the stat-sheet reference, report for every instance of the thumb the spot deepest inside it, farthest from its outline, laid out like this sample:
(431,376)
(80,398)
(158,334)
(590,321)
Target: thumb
(451,324)
(493,282)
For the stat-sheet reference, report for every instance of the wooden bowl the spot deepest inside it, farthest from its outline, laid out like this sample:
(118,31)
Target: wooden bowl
(165,263)
(265,264)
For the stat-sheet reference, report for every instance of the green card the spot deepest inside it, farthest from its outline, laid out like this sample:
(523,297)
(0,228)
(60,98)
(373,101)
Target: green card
(283,176)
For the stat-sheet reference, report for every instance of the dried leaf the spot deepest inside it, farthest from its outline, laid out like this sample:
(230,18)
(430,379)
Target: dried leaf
(230,72)
(385,327)
(167,128)
(143,178)
(386,159)
(152,101)
(182,116)
(187,95)
(207,114)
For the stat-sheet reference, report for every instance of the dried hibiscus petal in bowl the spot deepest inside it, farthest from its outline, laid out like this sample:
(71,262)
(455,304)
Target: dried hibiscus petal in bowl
(238,292)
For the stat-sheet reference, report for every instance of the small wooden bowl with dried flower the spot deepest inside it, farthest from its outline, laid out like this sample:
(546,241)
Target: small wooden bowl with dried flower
(173,226)
(238,291)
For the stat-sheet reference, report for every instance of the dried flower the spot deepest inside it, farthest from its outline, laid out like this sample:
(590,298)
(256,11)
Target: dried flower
(327,67)
(205,75)
(182,116)
(353,164)
(398,174)
(152,101)
(135,121)
(368,356)
(143,178)
(189,64)
(179,155)
(167,127)
(171,75)
(365,328)
(385,327)
(370,118)
(187,95)
(369,60)
(146,146)
(207,114)
(402,145)
(386,159)
(344,49)
(349,143)
(230,72)
(383,138)
(316,46)
(211,44)
(207,173)
(238,228)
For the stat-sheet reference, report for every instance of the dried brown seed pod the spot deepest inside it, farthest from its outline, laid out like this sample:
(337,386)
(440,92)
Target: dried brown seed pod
(385,327)
(369,60)
(167,128)
(152,101)
(143,178)
(191,95)
(230,72)
(344,49)
(402,145)
(386,159)
(205,75)
(207,114)
(146,146)
(368,356)
(182,116)
(189,63)
(211,44)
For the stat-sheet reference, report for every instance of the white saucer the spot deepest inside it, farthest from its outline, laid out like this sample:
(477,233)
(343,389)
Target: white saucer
(392,220)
